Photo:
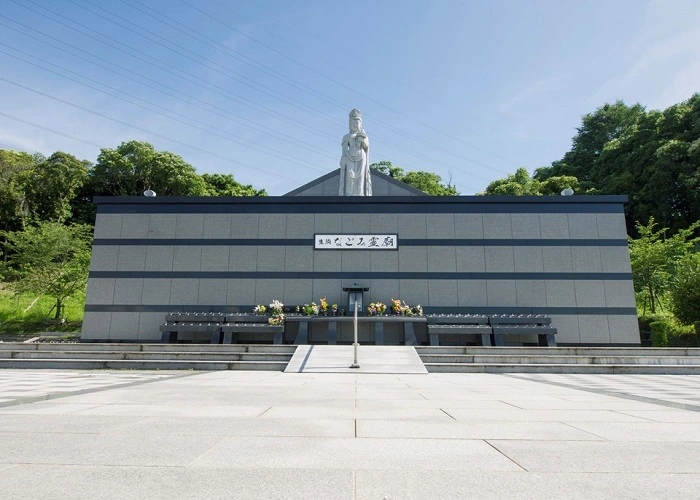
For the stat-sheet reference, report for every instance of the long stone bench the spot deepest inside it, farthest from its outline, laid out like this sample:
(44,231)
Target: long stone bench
(250,323)
(523,324)
(459,324)
(221,328)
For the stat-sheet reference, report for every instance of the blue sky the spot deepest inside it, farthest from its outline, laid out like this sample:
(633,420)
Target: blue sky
(261,89)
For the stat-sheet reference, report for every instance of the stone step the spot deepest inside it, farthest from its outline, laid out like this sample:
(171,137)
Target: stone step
(128,347)
(150,355)
(561,359)
(111,364)
(563,368)
(567,351)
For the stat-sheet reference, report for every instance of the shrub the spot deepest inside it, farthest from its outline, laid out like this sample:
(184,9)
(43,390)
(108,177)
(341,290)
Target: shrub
(659,333)
(685,290)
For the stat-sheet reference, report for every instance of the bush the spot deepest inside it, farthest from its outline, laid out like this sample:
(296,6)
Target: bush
(666,331)
(659,333)
(685,290)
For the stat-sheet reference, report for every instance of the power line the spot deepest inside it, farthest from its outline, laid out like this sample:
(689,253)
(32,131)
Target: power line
(305,66)
(151,61)
(375,69)
(141,129)
(189,79)
(127,76)
(269,91)
(42,127)
(109,68)
(184,51)
(156,62)
(255,147)
(272,72)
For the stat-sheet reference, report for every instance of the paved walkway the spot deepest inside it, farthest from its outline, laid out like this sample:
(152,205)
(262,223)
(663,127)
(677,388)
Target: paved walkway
(269,435)
(371,359)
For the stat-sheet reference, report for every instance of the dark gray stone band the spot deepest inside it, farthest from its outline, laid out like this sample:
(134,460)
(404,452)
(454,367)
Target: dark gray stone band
(350,275)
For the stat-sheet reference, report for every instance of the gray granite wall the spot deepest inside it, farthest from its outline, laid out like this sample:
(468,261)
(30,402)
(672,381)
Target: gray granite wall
(568,260)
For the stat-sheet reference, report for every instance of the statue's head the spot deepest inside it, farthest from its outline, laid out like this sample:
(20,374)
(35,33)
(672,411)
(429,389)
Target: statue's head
(355,120)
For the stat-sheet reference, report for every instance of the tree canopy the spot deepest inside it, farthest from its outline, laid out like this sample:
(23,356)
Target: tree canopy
(135,166)
(226,185)
(521,184)
(652,156)
(427,182)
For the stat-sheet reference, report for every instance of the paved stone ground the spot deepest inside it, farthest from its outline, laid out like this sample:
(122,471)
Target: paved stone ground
(269,435)
(26,386)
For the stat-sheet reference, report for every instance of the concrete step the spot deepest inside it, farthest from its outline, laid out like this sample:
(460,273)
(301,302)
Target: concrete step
(113,364)
(124,347)
(151,355)
(566,351)
(561,359)
(563,368)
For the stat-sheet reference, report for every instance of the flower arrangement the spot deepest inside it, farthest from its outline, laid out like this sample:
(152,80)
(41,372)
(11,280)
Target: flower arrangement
(400,308)
(376,309)
(276,307)
(323,306)
(277,319)
(310,309)
(334,309)
(259,309)
(397,307)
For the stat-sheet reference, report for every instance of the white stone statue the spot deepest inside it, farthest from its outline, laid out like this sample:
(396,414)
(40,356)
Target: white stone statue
(355,178)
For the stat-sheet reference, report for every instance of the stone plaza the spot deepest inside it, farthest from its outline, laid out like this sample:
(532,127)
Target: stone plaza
(271,435)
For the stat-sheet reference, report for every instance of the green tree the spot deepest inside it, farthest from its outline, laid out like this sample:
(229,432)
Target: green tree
(226,185)
(654,258)
(685,290)
(15,167)
(521,184)
(652,156)
(51,186)
(135,166)
(49,259)
(427,182)
(607,123)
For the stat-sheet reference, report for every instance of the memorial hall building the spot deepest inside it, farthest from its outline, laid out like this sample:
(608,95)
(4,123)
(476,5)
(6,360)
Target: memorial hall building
(563,257)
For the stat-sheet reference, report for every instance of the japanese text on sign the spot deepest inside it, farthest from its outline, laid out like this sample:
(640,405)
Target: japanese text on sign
(356,242)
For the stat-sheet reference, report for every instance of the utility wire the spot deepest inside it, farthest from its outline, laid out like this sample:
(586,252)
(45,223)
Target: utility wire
(206,106)
(42,127)
(380,155)
(296,123)
(305,66)
(149,107)
(141,129)
(196,58)
(268,91)
(247,60)
(375,69)
(151,61)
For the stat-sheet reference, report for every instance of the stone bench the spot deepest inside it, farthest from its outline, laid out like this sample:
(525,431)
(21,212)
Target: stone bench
(523,324)
(220,327)
(229,330)
(172,330)
(459,324)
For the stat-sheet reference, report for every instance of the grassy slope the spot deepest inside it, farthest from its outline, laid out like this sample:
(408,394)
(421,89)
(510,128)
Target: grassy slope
(14,319)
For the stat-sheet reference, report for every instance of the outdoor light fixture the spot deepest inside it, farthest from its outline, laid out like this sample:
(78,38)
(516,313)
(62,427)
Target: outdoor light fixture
(567,192)
(149,193)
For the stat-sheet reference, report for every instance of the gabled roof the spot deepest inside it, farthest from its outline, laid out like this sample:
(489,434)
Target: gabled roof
(382,185)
